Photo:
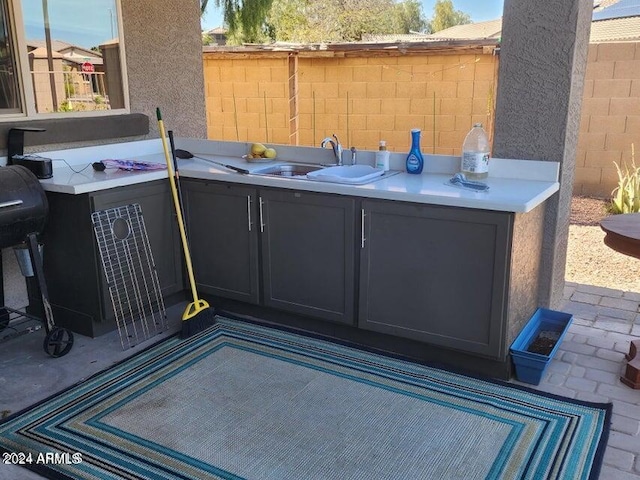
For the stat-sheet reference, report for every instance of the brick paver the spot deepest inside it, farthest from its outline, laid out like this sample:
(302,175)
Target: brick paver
(590,361)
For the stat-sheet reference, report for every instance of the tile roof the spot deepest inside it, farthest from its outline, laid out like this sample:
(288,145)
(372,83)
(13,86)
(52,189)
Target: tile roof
(615,29)
(611,30)
(488,29)
(216,31)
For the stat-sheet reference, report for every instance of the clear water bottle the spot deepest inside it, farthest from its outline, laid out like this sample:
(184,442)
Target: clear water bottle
(415,161)
(475,154)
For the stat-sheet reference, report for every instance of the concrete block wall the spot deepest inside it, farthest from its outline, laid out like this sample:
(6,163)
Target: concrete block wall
(364,99)
(367,99)
(361,98)
(250,93)
(610,120)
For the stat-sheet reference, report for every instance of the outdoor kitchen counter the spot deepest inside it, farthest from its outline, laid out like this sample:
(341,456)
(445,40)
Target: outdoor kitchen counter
(515,185)
(487,244)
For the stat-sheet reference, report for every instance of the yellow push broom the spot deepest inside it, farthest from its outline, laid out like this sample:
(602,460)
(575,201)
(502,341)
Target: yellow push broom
(198,315)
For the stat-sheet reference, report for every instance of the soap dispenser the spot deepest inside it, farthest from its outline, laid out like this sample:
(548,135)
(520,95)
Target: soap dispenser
(382,156)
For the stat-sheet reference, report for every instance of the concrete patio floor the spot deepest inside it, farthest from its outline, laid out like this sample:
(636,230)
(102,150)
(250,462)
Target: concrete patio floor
(588,367)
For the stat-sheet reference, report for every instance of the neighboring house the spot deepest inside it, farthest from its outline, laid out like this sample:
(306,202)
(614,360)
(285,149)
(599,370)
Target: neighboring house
(217,35)
(71,53)
(78,75)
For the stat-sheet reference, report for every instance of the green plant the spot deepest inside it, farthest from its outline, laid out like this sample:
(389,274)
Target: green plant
(65,107)
(69,88)
(626,196)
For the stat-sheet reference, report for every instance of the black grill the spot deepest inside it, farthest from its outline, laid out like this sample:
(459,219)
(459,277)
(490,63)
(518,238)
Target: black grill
(23,205)
(23,215)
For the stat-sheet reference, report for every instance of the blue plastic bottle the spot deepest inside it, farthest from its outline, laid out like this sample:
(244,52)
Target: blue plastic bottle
(415,161)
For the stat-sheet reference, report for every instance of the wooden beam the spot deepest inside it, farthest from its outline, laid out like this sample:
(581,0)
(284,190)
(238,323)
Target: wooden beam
(294,124)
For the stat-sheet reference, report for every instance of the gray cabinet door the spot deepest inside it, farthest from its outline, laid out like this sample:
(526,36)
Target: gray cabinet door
(77,289)
(160,223)
(435,274)
(308,253)
(222,231)
(161,226)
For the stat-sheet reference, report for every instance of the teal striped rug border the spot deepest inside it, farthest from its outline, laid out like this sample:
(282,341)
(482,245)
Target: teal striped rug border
(554,437)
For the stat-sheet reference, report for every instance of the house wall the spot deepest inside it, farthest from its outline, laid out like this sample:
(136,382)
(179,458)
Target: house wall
(363,98)
(113,74)
(42,83)
(163,47)
(610,121)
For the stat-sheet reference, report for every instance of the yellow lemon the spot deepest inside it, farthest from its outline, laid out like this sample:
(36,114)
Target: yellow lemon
(258,149)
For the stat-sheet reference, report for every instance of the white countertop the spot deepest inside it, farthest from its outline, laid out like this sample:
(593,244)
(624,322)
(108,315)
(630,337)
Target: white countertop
(515,185)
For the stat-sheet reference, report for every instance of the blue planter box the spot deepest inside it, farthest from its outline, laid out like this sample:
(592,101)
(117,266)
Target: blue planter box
(531,366)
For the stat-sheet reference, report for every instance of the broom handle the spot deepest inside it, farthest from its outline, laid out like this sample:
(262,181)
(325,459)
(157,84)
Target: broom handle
(176,204)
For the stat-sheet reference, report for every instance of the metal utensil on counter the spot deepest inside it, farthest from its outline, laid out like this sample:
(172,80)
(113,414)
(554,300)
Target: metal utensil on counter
(461,179)
(184,154)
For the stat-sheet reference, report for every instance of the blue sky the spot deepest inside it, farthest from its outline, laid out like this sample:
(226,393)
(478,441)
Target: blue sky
(87,23)
(479,11)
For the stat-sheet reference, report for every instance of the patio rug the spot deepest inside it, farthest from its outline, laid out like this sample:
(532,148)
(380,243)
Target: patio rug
(241,400)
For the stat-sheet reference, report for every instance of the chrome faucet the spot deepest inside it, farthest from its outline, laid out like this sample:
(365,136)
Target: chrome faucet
(337,148)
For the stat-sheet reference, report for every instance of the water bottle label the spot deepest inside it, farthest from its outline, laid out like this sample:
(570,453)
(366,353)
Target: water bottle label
(413,163)
(475,162)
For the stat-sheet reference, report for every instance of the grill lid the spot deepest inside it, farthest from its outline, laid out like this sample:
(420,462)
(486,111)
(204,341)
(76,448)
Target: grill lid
(23,205)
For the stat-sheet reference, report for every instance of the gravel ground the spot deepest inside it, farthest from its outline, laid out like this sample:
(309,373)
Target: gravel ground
(589,260)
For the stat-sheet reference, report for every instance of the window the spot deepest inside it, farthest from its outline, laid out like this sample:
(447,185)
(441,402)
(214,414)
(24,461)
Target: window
(9,98)
(60,57)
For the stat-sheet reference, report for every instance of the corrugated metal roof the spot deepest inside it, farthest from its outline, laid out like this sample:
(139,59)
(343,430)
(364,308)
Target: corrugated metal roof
(470,31)
(396,37)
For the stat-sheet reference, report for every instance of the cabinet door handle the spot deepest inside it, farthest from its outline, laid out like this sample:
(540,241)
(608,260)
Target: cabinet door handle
(362,239)
(261,216)
(10,203)
(249,211)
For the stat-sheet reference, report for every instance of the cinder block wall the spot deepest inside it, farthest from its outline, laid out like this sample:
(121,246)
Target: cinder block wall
(298,99)
(365,100)
(610,120)
(247,97)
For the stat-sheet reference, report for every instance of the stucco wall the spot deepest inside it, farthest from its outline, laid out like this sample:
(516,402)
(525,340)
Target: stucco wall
(363,98)
(542,70)
(164,63)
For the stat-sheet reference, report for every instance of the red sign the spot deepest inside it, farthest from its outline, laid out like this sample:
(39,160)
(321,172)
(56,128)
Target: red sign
(87,67)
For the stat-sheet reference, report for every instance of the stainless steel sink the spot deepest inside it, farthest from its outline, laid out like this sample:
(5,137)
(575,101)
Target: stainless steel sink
(288,170)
